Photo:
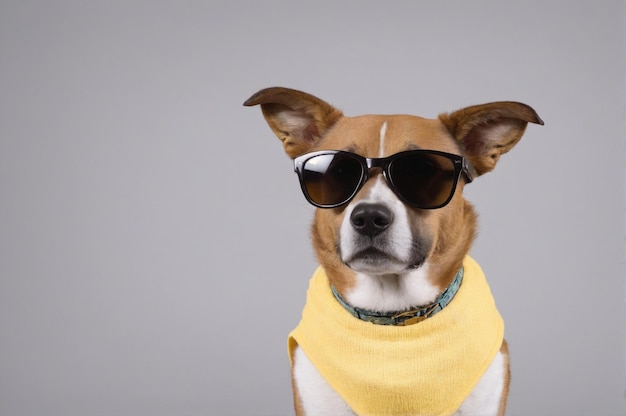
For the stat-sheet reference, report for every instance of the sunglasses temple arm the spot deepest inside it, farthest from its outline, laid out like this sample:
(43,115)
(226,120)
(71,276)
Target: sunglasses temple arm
(468,171)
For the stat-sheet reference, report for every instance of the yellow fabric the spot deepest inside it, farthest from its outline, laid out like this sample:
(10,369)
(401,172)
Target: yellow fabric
(428,368)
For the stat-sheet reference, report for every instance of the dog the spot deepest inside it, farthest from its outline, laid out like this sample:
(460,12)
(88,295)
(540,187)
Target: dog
(399,320)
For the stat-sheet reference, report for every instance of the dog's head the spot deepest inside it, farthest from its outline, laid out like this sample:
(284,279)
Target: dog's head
(389,188)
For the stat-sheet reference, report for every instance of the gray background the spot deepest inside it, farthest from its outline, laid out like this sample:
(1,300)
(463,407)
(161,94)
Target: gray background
(154,247)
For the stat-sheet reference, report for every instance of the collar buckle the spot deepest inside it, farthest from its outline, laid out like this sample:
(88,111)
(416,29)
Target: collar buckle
(414,316)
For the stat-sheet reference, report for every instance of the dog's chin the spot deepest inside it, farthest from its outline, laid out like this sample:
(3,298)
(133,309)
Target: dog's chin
(376,262)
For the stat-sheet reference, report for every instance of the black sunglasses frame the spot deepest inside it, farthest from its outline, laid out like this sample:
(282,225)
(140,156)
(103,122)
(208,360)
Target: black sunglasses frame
(460,164)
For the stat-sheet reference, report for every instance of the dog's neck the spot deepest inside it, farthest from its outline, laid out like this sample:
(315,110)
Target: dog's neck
(404,316)
(391,293)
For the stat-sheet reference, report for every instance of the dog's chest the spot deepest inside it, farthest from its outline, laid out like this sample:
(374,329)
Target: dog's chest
(428,368)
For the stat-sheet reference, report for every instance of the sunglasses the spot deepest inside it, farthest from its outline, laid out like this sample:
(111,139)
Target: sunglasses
(424,179)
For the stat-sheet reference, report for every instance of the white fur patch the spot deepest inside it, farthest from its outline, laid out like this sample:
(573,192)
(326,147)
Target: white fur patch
(317,397)
(389,293)
(486,396)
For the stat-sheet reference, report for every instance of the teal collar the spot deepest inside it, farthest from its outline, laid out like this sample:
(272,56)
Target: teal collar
(409,317)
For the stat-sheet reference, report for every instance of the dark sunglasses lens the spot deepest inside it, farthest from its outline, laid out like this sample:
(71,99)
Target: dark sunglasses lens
(331,179)
(424,180)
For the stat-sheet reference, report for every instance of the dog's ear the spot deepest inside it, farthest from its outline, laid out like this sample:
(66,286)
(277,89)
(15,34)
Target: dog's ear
(298,119)
(487,131)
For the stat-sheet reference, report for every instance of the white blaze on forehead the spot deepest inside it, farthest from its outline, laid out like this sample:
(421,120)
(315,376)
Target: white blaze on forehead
(381,143)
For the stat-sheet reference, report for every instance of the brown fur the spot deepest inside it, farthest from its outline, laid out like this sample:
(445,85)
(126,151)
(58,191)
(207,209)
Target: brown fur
(481,133)
(507,377)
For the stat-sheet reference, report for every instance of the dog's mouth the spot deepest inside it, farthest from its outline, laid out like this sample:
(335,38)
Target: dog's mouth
(376,261)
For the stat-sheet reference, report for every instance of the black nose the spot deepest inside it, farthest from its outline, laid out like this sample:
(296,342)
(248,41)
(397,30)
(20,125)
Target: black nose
(371,219)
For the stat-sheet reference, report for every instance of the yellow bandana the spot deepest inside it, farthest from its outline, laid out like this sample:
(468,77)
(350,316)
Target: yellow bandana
(428,368)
